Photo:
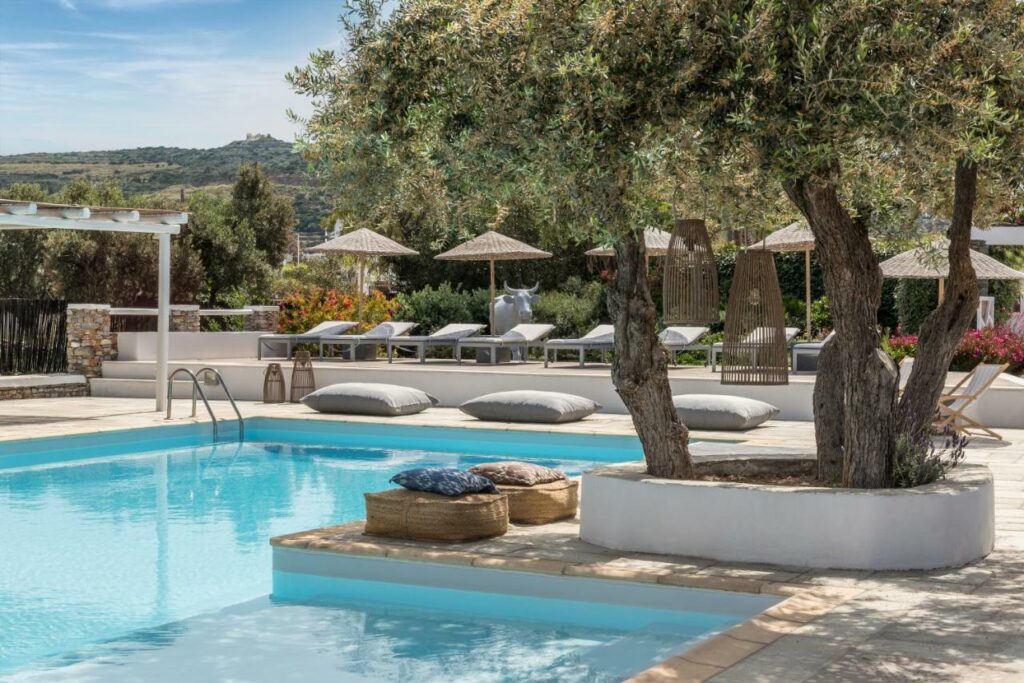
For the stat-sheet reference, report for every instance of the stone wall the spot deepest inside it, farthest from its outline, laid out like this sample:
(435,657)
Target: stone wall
(51,391)
(262,319)
(184,318)
(90,341)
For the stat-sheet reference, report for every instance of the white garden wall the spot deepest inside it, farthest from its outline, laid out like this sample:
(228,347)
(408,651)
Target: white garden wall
(188,345)
(945,524)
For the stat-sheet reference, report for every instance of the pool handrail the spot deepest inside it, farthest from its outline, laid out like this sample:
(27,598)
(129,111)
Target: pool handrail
(197,388)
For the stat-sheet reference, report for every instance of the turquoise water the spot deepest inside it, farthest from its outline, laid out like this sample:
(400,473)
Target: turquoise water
(360,640)
(96,547)
(144,555)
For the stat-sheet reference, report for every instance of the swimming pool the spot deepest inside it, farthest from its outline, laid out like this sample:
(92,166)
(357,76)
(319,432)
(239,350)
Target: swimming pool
(126,547)
(108,533)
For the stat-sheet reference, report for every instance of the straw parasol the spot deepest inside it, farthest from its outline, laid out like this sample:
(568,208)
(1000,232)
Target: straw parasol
(655,241)
(362,244)
(492,246)
(931,262)
(794,237)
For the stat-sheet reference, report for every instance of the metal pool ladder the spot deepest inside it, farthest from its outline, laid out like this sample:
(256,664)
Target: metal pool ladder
(197,391)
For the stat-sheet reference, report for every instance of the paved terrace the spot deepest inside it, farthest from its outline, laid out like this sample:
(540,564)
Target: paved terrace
(964,624)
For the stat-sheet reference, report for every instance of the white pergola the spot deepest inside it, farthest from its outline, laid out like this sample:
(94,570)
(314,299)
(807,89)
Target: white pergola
(19,215)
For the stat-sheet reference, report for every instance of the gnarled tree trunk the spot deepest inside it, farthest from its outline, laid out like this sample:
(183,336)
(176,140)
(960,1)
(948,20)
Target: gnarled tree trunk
(828,414)
(868,376)
(942,330)
(640,366)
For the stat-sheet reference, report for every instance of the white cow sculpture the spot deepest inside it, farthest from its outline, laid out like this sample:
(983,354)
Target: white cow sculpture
(514,307)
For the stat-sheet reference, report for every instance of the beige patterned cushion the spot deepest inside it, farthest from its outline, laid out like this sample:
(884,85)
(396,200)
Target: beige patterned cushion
(517,473)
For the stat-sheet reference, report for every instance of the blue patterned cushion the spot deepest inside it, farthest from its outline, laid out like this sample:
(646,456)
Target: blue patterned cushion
(444,480)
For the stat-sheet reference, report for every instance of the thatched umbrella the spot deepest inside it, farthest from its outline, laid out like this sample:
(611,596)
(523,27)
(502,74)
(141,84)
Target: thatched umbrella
(794,237)
(931,262)
(655,242)
(492,246)
(362,244)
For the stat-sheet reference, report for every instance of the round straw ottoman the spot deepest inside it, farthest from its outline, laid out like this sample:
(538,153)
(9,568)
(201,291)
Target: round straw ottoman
(542,503)
(420,516)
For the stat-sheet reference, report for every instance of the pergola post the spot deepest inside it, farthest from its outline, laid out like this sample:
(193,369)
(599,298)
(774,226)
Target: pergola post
(807,291)
(163,320)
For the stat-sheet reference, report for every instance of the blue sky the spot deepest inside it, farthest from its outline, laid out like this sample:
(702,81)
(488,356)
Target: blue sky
(109,74)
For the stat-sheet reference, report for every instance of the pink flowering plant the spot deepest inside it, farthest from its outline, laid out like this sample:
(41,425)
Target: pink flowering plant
(992,345)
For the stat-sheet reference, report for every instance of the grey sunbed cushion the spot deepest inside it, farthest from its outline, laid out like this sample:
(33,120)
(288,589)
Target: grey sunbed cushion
(728,413)
(364,398)
(528,405)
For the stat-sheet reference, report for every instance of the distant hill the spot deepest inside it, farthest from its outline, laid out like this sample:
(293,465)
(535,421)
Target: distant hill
(168,170)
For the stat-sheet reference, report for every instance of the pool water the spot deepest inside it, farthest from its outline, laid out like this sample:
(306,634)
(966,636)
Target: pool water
(144,555)
(98,547)
(362,640)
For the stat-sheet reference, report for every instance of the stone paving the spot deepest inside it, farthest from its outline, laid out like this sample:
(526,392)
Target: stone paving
(964,624)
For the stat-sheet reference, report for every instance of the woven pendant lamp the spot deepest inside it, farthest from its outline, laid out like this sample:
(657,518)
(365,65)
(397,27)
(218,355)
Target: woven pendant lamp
(690,289)
(755,350)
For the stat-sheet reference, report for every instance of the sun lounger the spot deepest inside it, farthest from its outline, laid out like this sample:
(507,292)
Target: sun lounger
(601,338)
(311,336)
(952,405)
(375,337)
(446,336)
(519,338)
(752,338)
(679,339)
(805,355)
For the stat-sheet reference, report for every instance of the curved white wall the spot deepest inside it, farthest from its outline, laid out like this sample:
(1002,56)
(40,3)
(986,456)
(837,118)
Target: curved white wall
(945,524)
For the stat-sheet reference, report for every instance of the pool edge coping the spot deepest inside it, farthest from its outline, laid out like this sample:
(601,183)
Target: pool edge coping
(800,604)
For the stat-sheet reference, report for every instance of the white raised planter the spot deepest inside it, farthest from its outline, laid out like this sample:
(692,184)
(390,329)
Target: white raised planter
(945,524)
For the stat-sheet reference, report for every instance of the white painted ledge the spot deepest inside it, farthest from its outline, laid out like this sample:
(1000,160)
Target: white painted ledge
(945,524)
(22,381)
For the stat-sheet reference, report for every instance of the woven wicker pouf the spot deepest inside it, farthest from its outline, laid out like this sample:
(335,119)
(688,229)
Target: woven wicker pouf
(542,503)
(419,516)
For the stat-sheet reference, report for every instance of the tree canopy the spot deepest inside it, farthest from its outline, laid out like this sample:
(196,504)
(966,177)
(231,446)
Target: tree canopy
(226,255)
(593,118)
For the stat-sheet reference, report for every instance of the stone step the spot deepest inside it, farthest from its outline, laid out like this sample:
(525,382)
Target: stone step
(129,369)
(146,388)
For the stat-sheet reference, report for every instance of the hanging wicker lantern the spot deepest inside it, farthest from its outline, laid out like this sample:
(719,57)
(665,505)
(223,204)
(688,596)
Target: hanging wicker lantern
(690,290)
(303,381)
(273,384)
(755,350)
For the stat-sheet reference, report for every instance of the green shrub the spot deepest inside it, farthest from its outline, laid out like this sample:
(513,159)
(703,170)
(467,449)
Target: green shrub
(1007,294)
(821,314)
(433,308)
(796,311)
(574,309)
(915,300)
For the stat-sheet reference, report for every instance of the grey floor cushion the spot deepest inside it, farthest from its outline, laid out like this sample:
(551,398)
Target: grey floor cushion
(364,398)
(530,406)
(729,413)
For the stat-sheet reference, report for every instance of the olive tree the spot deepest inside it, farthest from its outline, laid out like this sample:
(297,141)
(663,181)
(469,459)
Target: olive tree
(575,106)
(869,112)
(587,107)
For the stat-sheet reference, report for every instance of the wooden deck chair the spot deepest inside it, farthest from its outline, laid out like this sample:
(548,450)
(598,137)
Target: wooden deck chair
(905,367)
(952,405)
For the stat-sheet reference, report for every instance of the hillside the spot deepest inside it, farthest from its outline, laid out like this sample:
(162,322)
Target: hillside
(168,170)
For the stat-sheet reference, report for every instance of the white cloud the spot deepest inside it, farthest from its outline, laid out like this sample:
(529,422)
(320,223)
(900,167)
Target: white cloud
(31,47)
(148,4)
(68,5)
